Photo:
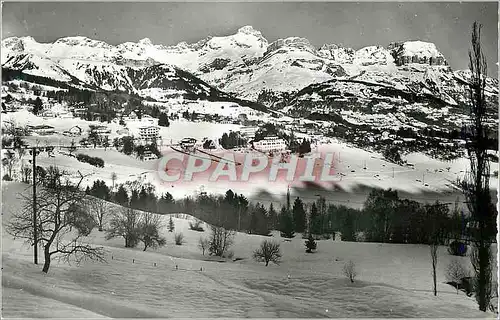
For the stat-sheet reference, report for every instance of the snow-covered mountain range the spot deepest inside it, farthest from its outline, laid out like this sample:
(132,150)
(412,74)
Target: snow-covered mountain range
(404,85)
(244,63)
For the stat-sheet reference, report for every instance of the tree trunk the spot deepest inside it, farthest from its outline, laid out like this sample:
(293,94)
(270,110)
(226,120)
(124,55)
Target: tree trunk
(267,262)
(434,258)
(145,247)
(434,280)
(46,264)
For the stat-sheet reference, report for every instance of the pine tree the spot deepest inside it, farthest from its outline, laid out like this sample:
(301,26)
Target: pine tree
(310,244)
(299,215)
(171,226)
(273,218)
(38,106)
(348,232)
(134,200)
(121,196)
(163,120)
(286,224)
(259,220)
(166,203)
(314,220)
(305,146)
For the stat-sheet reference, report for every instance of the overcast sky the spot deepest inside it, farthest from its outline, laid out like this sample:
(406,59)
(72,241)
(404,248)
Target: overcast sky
(352,24)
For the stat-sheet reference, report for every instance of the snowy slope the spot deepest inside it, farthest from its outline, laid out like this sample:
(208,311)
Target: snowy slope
(36,65)
(393,280)
(243,63)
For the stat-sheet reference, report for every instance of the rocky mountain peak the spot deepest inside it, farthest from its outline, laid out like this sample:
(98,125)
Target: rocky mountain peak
(145,42)
(14,44)
(291,42)
(250,31)
(82,42)
(420,52)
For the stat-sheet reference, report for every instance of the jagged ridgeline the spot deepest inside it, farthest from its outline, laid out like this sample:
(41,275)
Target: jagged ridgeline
(404,93)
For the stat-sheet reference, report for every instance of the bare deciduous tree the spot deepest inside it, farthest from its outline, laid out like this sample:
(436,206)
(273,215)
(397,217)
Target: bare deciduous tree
(16,133)
(99,209)
(27,171)
(349,270)
(455,272)
(9,161)
(221,240)
(149,231)
(268,251)
(203,244)
(434,258)
(124,223)
(62,223)
(20,153)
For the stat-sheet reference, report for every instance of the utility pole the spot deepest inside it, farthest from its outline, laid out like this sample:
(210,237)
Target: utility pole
(239,216)
(35,236)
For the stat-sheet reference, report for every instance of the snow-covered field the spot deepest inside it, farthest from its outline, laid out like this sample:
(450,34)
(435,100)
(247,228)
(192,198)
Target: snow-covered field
(177,130)
(392,281)
(351,166)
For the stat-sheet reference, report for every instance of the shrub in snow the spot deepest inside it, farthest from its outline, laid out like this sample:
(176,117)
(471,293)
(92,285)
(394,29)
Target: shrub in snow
(196,226)
(360,236)
(457,248)
(179,239)
(94,161)
(230,254)
(456,272)
(349,270)
(269,251)
(6,177)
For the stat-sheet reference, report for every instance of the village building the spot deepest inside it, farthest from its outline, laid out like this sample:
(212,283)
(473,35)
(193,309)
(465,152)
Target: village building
(149,132)
(123,132)
(248,132)
(146,118)
(73,131)
(270,144)
(80,112)
(242,117)
(188,143)
(47,114)
(42,129)
(102,131)
(148,155)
